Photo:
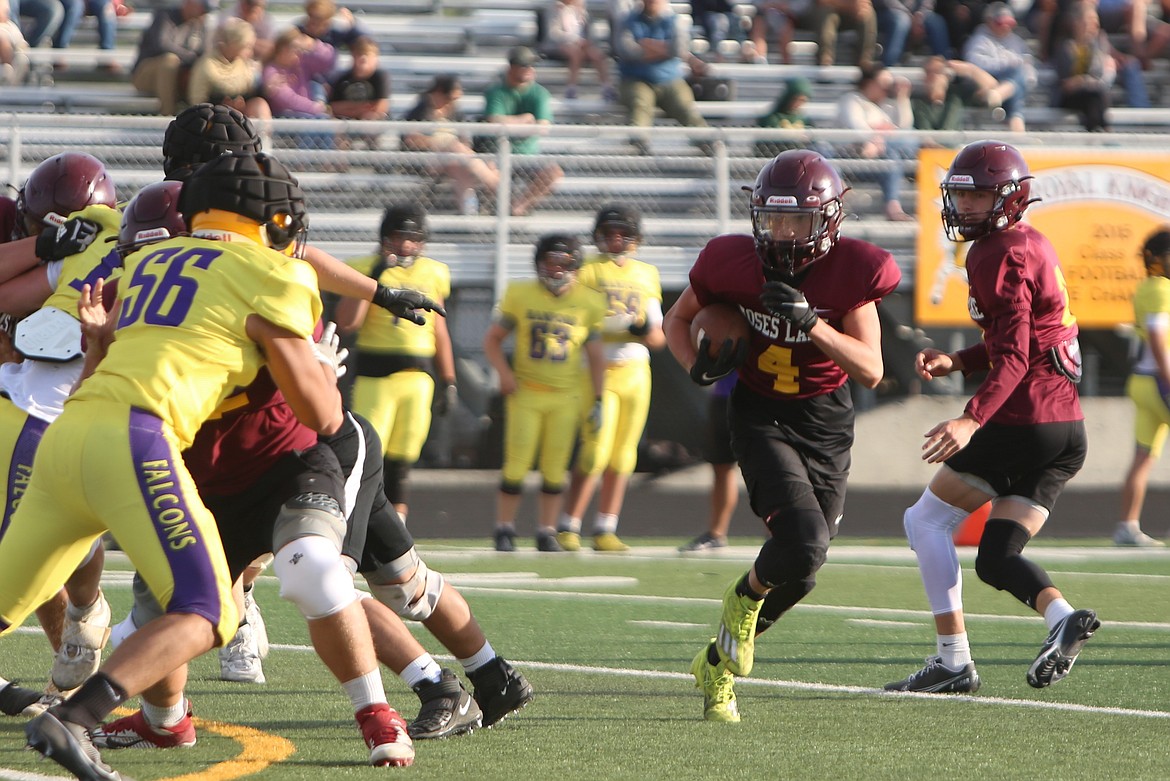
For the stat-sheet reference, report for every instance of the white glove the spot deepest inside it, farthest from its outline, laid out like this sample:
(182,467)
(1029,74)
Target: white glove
(329,351)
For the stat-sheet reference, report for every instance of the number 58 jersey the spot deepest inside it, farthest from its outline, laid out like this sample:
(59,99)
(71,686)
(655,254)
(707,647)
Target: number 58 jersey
(782,362)
(181,345)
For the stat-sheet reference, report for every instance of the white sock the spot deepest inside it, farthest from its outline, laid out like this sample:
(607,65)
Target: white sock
(81,613)
(955,651)
(366,690)
(605,523)
(569,524)
(424,668)
(479,659)
(1056,612)
(163,716)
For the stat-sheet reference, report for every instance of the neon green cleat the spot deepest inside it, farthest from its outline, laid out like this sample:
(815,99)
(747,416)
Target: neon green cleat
(570,541)
(716,682)
(736,641)
(608,542)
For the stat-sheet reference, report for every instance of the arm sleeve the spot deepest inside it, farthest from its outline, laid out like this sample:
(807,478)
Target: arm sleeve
(1007,340)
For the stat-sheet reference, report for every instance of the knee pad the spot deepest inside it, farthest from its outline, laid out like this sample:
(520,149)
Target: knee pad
(931,515)
(999,563)
(510,488)
(796,549)
(313,577)
(552,490)
(417,596)
(394,474)
(309,515)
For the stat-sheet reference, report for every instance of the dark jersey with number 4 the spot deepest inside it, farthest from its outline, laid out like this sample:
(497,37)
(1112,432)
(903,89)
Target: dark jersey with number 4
(782,362)
(1019,299)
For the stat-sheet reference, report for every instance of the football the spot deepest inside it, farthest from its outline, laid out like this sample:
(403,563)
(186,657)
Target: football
(719,322)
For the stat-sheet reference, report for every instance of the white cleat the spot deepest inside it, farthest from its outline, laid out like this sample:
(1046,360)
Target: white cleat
(239,660)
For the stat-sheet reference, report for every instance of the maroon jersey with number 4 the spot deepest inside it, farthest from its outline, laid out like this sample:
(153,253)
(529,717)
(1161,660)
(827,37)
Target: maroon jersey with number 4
(1018,297)
(782,362)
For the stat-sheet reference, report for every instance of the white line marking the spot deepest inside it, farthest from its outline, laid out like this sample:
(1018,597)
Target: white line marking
(879,622)
(19,775)
(666,624)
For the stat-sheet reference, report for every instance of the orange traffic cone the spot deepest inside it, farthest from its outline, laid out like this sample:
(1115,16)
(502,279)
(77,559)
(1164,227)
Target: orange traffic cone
(971,529)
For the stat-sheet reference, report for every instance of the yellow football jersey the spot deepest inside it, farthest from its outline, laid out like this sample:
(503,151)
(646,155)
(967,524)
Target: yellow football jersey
(627,287)
(1151,297)
(383,332)
(550,331)
(181,346)
(97,261)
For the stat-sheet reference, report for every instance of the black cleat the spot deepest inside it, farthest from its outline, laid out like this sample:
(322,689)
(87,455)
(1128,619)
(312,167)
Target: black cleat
(70,746)
(505,540)
(546,542)
(500,690)
(14,699)
(936,679)
(1062,647)
(447,709)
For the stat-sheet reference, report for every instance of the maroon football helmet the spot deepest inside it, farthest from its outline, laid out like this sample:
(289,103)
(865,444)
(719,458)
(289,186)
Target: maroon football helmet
(59,186)
(152,215)
(995,167)
(796,210)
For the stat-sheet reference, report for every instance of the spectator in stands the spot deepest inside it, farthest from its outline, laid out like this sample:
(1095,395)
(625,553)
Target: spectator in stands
(787,114)
(949,87)
(895,21)
(107,25)
(997,49)
(230,73)
(169,47)
(1128,67)
(566,38)
(651,46)
(291,77)
(950,24)
(326,22)
(881,105)
(255,12)
(778,18)
(828,16)
(13,60)
(1085,71)
(518,100)
(363,91)
(440,104)
(718,21)
(46,15)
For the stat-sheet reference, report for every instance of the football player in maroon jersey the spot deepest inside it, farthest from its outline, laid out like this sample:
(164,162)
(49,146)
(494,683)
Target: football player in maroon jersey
(811,299)
(1021,436)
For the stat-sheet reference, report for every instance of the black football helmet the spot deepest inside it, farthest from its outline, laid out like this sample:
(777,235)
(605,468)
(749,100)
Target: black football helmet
(202,132)
(401,223)
(152,215)
(617,219)
(253,185)
(59,186)
(796,210)
(1156,252)
(992,166)
(557,259)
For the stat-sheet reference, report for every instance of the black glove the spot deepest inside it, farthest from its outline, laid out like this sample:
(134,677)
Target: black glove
(403,303)
(708,370)
(784,300)
(640,328)
(446,401)
(69,239)
(595,415)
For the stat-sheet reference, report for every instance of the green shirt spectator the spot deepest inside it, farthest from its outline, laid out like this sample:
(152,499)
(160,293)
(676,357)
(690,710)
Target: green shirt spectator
(786,114)
(518,100)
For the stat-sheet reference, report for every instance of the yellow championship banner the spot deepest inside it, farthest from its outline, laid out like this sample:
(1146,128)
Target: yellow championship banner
(1097,207)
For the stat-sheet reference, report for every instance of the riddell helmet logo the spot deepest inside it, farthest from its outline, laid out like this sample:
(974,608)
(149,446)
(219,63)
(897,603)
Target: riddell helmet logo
(960,179)
(152,234)
(781,200)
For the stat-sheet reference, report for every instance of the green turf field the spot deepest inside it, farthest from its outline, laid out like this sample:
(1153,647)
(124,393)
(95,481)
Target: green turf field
(607,641)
